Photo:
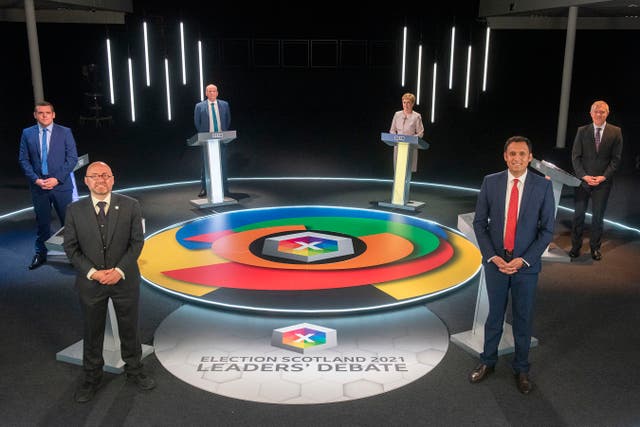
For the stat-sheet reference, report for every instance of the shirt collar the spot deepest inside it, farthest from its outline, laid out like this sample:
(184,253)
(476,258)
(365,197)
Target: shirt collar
(95,201)
(521,178)
(45,127)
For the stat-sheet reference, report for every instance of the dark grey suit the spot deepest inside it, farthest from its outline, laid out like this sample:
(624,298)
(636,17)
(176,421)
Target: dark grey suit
(84,246)
(587,161)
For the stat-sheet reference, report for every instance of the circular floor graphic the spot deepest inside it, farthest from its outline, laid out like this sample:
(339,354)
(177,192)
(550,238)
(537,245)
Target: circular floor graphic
(293,360)
(306,259)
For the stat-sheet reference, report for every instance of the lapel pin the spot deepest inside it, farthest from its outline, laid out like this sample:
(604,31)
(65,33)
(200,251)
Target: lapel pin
(117,207)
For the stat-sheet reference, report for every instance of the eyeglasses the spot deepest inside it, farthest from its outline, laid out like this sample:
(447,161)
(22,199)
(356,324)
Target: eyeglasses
(104,176)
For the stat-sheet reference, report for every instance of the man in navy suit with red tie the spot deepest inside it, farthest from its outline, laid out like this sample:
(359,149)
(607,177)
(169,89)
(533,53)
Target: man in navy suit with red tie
(513,223)
(596,156)
(47,157)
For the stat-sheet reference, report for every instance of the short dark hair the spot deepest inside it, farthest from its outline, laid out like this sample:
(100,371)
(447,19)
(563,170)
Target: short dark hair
(518,138)
(43,104)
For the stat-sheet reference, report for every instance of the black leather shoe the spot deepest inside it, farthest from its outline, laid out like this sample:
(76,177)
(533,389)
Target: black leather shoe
(480,372)
(523,383)
(85,392)
(202,193)
(595,254)
(144,382)
(574,253)
(38,260)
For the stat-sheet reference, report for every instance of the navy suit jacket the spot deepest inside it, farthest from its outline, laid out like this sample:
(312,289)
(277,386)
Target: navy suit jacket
(83,244)
(534,229)
(587,161)
(61,159)
(201,115)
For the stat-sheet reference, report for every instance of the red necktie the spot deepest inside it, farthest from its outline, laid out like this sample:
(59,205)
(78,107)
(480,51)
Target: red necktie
(512,218)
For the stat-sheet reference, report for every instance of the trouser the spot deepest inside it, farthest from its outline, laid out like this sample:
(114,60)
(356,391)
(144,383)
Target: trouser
(43,200)
(94,300)
(599,196)
(523,289)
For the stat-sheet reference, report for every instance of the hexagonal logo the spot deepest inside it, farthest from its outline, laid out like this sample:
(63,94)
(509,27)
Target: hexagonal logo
(304,338)
(308,246)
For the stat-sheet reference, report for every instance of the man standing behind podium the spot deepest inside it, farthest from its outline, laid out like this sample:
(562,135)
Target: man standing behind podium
(47,157)
(213,115)
(103,238)
(596,156)
(513,223)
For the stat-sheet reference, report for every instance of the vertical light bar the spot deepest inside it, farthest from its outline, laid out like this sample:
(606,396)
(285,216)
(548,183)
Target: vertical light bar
(113,100)
(146,52)
(433,92)
(200,67)
(419,73)
(453,48)
(133,104)
(166,78)
(404,54)
(486,59)
(184,68)
(466,91)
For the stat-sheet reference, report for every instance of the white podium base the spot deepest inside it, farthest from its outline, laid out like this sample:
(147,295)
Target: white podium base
(411,205)
(205,203)
(555,254)
(112,361)
(474,343)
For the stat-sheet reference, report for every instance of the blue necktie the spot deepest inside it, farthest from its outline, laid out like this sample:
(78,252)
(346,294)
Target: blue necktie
(45,166)
(215,120)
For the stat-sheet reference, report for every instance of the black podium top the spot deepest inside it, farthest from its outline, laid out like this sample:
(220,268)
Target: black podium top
(395,138)
(202,137)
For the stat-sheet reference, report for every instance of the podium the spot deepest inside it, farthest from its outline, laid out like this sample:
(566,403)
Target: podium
(210,142)
(402,174)
(54,243)
(472,341)
(559,178)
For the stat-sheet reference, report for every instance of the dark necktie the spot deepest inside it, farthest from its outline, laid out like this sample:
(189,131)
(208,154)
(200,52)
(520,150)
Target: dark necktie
(45,152)
(512,218)
(598,138)
(102,214)
(102,219)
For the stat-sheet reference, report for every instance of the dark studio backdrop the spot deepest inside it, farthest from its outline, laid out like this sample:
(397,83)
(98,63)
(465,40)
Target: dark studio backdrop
(312,87)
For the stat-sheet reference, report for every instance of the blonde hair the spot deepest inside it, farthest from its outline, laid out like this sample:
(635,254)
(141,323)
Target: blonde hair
(411,97)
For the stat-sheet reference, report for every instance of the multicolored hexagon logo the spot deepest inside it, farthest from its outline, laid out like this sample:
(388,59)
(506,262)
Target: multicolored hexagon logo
(304,338)
(308,246)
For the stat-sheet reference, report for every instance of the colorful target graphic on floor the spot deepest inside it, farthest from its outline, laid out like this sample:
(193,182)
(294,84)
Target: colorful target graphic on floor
(306,259)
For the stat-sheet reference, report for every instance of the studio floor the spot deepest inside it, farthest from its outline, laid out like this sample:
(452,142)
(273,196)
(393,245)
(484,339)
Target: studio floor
(584,367)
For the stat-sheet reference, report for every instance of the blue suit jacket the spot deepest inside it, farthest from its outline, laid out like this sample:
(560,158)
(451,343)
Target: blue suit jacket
(61,159)
(534,230)
(201,115)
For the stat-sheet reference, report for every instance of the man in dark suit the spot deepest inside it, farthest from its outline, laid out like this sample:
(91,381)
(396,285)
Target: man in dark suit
(47,157)
(103,238)
(513,223)
(596,156)
(213,115)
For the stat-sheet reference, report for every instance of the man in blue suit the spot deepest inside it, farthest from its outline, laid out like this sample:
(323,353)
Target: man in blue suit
(213,115)
(47,156)
(511,255)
